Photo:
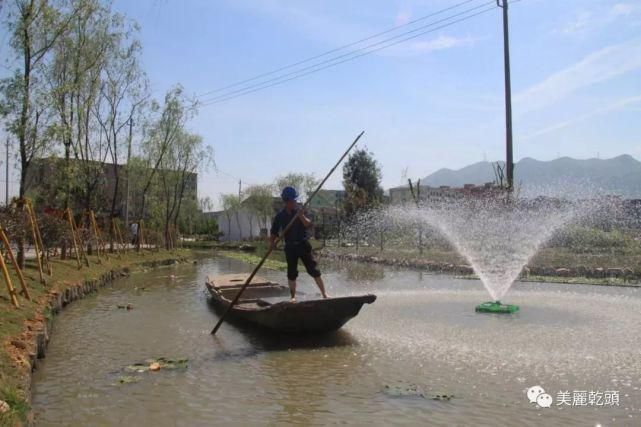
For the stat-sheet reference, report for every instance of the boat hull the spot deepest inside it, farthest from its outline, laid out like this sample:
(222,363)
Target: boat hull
(305,316)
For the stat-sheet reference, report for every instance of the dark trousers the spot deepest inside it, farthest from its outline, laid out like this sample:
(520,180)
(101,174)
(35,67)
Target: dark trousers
(302,251)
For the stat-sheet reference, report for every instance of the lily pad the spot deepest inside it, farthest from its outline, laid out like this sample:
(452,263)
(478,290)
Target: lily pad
(401,390)
(137,367)
(128,379)
(159,363)
(442,397)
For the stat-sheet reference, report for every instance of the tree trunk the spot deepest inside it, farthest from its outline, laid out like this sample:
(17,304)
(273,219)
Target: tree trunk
(22,129)
(112,213)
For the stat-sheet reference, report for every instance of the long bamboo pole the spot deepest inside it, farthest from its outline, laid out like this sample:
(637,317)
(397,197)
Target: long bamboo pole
(285,230)
(36,246)
(123,246)
(80,246)
(73,235)
(141,237)
(45,255)
(92,230)
(7,279)
(23,284)
(101,242)
(118,243)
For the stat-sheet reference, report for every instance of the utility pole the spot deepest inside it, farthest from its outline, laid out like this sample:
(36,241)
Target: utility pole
(509,160)
(131,125)
(6,184)
(240,185)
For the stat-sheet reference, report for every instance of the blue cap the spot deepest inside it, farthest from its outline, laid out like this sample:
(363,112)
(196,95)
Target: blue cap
(289,193)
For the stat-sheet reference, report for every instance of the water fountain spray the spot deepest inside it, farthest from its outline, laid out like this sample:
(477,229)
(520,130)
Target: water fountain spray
(498,235)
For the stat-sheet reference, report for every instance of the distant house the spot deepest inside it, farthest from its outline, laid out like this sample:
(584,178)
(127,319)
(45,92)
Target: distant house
(403,195)
(245,224)
(43,172)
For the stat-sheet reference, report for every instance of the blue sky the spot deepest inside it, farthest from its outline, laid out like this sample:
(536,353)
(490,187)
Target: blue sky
(433,102)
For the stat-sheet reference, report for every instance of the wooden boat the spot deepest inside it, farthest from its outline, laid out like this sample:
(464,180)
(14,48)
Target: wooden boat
(267,304)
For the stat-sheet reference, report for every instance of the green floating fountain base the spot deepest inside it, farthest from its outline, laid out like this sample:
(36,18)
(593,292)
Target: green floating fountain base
(496,307)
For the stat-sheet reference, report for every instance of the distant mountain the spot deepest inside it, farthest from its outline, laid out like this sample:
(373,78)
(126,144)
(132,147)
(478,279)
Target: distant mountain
(619,175)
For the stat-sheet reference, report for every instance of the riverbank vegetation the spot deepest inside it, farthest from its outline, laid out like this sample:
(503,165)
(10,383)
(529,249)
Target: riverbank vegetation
(601,258)
(18,326)
(88,132)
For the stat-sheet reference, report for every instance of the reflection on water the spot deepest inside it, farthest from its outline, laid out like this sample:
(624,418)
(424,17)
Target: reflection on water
(422,330)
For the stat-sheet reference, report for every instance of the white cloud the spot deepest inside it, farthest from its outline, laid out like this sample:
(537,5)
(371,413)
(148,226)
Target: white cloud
(600,66)
(623,9)
(402,17)
(579,24)
(441,43)
(618,105)
(585,22)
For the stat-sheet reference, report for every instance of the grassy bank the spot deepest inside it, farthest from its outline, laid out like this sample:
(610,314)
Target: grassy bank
(276,260)
(18,325)
(606,281)
(546,257)
(254,259)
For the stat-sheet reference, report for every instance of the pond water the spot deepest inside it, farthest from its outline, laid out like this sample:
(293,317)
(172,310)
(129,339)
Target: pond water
(419,340)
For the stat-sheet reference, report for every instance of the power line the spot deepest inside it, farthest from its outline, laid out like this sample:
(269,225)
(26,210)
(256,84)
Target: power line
(365,48)
(353,52)
(373,36)
(332,63)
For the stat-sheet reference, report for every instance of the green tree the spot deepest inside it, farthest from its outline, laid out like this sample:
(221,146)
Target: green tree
(35,26)
(179,164)
(74,79)
(260,202)
(304,183)
(123,95)
(362,182)
(163,132)
(205,223)
(231,206)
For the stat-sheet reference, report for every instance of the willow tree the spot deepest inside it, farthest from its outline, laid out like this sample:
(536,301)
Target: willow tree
(123,94)
(304,183)
(260,201)
(75,75)
(163,131)
(34,26)
(177,174)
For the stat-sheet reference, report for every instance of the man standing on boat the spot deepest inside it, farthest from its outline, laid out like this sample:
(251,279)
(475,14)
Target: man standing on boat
(297,244)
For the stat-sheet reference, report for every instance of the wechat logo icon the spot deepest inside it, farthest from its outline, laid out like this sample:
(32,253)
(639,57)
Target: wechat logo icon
(537,395)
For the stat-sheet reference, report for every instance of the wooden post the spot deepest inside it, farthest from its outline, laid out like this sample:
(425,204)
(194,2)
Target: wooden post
(45,255)
(23,284)
(81,246)
(141,234)
(124,243)
(92,230)
(117,236)
(114,232)
(124,246)
(35,241)
(7,280)
(96,230)
(73,234)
